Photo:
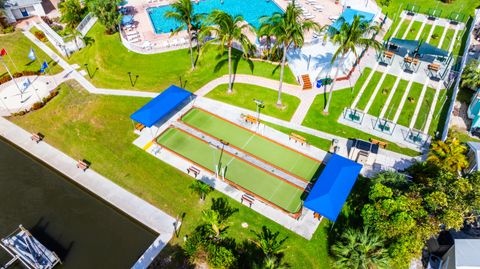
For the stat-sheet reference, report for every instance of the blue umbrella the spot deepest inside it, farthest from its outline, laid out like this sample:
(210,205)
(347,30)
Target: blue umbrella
(127,19)
(122,3)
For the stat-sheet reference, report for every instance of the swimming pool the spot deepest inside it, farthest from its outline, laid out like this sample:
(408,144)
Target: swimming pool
(251,10)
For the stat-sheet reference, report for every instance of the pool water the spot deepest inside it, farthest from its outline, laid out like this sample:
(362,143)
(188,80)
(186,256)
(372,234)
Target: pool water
(251,10)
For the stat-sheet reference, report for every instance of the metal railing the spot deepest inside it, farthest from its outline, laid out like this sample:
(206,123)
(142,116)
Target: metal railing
(86,24)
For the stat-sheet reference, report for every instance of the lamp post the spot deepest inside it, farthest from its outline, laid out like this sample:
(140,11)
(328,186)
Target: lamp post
(260,105)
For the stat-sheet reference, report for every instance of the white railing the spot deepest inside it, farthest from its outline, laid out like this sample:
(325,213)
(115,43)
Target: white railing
(86,24)
(63,47)
(143,47)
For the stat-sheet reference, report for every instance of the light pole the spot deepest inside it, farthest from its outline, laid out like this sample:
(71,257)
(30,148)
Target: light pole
(260,105)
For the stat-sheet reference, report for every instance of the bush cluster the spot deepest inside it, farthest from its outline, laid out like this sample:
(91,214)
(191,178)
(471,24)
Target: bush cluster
(38,105)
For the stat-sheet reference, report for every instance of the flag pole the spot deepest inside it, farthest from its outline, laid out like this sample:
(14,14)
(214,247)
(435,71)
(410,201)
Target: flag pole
(14,81)
(14,65)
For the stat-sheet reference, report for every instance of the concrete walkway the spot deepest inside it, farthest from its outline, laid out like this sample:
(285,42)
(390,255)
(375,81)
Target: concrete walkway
(130,204)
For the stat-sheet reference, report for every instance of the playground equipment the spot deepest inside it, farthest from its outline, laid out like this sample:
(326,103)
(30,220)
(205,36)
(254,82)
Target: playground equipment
(384,125)
(353,114)
(416,137)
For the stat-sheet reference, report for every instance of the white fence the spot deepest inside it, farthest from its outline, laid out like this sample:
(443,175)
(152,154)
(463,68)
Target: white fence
(86,24)
(147,47)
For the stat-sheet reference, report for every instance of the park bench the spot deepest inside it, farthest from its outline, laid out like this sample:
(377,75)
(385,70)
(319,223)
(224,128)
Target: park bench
(139,127)
(195,171)
(388,54)
(434,67)
(83,165)
(316,215)
(297,138)
(248,198)
(379,143)
(37,137)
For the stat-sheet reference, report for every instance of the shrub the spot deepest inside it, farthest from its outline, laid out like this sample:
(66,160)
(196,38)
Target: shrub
(36,106)
(40,36)
(7,30)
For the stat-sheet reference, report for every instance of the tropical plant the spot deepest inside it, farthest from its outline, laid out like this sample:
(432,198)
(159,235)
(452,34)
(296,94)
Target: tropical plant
(268,242)
(471,75)
(72,13)
(348,38)
(215,222)
(107,14)
(360,250)
(225,30)
(448,155)
(200,188)
(182,13)
(288,29)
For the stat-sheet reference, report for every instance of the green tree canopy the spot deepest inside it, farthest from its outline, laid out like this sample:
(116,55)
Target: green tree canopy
(72,13)
(471,75)
(448,155)
(106,12)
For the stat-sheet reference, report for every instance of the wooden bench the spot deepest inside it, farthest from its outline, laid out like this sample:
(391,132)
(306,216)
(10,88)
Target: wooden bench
(379,143)
(82,165)
(297,138)
(139,127)
(316,215)
(195,171)
(249,199)
(37,137)
(388,54)
(415,61)
(434,67)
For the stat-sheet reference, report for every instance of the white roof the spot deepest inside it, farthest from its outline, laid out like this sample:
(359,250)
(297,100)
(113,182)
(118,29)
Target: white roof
(467,253)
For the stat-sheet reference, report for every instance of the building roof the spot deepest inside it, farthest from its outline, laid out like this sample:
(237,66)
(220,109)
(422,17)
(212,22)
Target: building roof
(467,253)
(21,3)
(333,187)
(160,106)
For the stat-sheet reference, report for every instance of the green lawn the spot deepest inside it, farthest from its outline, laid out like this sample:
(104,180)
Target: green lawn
(396,99)
(253,179)
(18,47)
(313,140)
(265,149)
(448,39)
(328,123)
(409,106)
(382,96)
(98,128)
(465,6)
(440,107)
(414,29)
(424,109)
(367,93)
(392,28)
(157,71)
(47,42)
(436,35)
(403,28)
(243,95)
(425,31)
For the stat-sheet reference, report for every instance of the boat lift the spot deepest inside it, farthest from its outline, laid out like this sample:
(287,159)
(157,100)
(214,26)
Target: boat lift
(23,247)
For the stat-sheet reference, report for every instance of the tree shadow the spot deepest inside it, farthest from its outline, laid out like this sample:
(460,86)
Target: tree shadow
(222,206)
(172,256)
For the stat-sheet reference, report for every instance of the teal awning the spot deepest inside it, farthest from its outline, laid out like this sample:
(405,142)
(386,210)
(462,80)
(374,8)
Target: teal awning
(408,44)
(418,47)
(428,49)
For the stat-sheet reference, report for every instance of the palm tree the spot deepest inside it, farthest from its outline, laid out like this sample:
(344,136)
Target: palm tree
(213,219)
(471,75)
(72,13)
(448,155)
(288,29)
(200,188)
(348,38)
(360,250)
(183,14)
(226,30)
(268,242)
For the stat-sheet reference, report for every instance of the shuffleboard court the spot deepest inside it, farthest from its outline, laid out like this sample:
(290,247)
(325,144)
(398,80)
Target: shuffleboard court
(252,179)
(259,146)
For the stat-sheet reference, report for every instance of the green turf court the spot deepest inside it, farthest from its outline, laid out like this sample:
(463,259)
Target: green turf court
(368,91)
(251,178)
(436,35)
(396,99)
(403,28)
(276,154)
(409,105)
(382,95)
(414,29)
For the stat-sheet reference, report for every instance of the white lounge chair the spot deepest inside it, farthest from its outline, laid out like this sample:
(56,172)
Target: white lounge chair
(333,18)
(318,7)
(165,44)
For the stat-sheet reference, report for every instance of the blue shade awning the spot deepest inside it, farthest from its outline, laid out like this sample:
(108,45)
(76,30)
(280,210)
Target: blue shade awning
(407,44)
(127,19)
(349,14)
(160,106)
(333,187)
(428,49)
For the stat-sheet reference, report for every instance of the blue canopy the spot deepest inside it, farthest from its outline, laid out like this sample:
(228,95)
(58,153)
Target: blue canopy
(160,106)
(349,14)
(333,187)
(127,19)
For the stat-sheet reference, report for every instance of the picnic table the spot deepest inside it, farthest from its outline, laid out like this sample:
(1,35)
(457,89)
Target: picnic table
(409,60)
(434,67)
(388,54)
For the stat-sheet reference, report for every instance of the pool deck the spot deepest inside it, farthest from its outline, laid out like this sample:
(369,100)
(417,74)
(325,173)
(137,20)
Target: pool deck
(130,204)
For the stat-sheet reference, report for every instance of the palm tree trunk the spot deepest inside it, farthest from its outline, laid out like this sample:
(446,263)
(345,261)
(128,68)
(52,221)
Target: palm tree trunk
(230,69)
(284,57)
(191,49)
(327,105)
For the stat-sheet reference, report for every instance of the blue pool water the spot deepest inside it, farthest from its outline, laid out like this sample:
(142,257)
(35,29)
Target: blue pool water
(251,10)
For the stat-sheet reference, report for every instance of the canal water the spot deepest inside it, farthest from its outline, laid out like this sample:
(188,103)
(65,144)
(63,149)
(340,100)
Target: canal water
(84,231)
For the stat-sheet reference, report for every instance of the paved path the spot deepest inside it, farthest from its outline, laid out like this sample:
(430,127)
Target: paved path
(130,204)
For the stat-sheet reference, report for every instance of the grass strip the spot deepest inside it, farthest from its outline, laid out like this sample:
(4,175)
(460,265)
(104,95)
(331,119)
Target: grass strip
(410,104)
(382,95)
(413,31)
(436,35)
(424,109)
(396,99)
(367,93)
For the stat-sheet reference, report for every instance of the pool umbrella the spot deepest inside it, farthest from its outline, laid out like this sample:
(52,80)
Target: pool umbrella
(122,3)
(127,19)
